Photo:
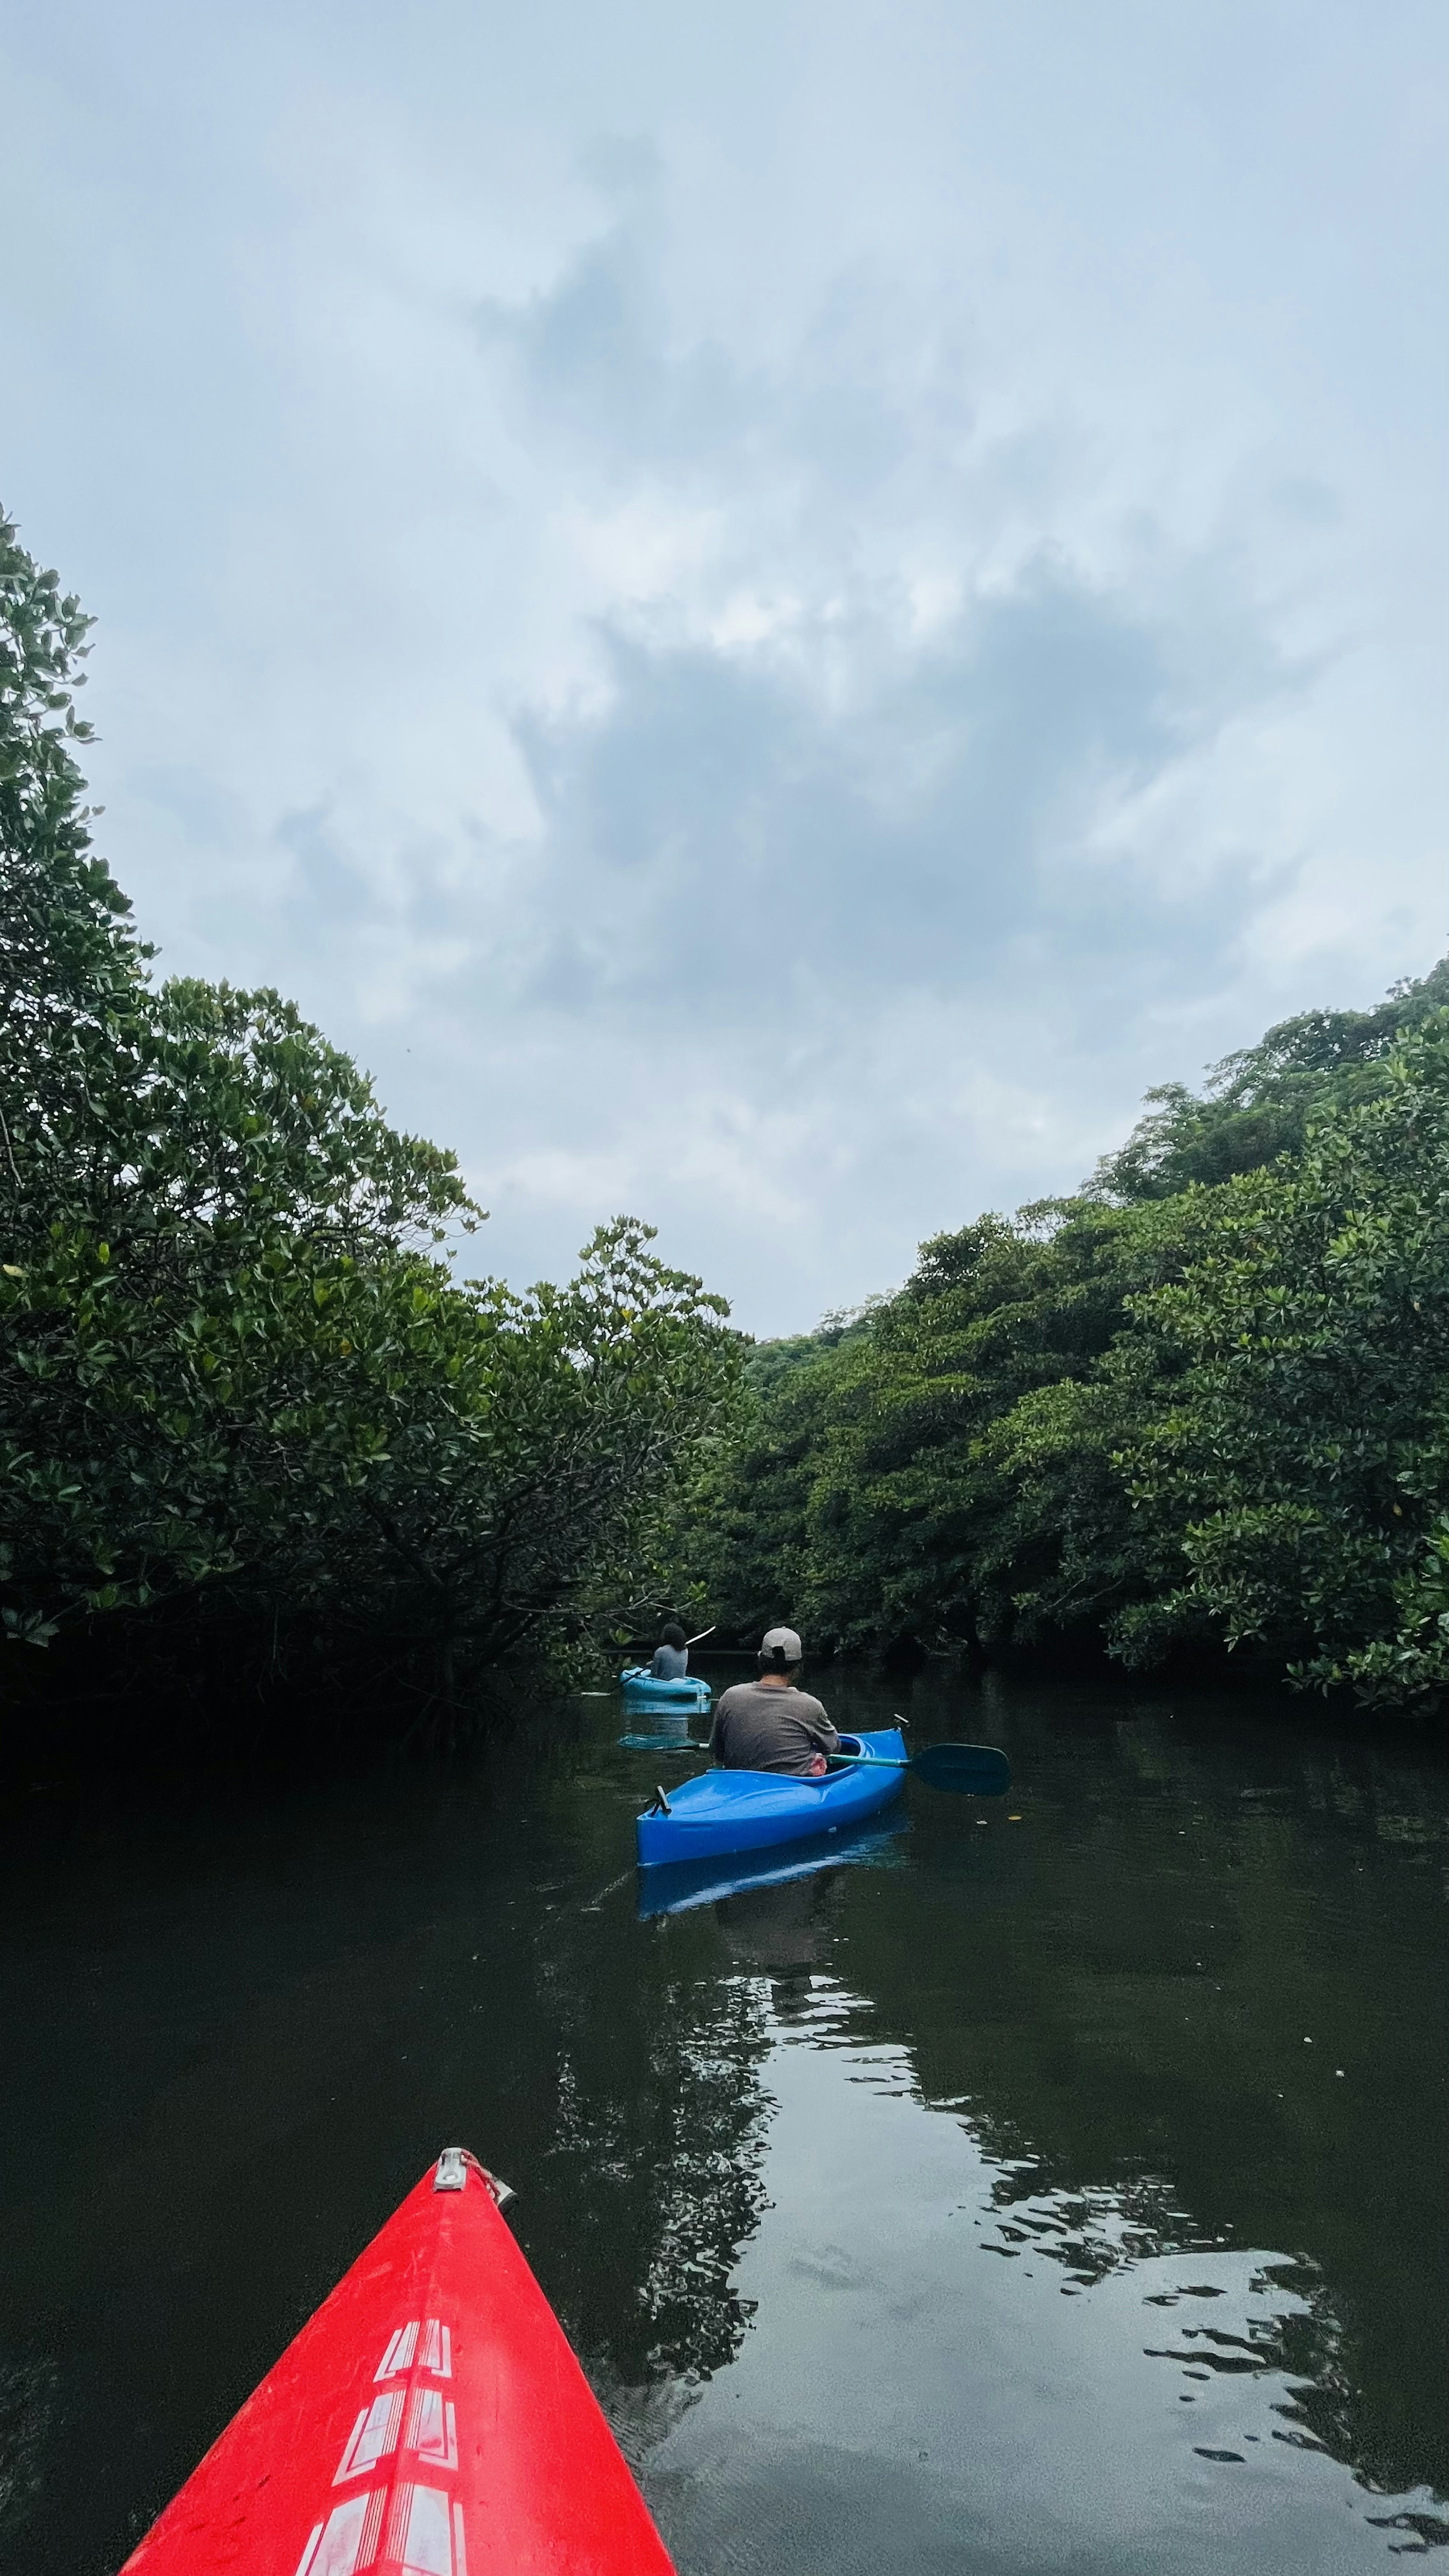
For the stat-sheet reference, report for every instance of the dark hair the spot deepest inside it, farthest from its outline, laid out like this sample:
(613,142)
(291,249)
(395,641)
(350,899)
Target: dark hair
(772,1660)
(671,1634)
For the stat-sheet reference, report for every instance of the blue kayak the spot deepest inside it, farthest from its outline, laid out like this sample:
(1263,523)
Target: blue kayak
(678,1887)
(644,1691)
(732,1811)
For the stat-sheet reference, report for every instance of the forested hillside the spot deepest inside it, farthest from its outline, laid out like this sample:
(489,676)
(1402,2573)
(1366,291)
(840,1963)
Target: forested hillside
(252,1429)
(1206,1400)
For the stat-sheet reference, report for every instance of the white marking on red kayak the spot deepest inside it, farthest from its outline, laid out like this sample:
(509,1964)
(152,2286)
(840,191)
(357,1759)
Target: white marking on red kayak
(424,2536)
(373,2435)
(420,2532)
(436,2355)
(424,2526)
(432,2429)
(402,2344)
(348,2539)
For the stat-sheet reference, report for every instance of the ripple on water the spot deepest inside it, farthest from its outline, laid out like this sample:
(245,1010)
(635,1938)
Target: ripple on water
(1189,2411)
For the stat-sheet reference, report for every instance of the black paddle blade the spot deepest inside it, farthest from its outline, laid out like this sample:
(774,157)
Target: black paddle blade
(977,1770)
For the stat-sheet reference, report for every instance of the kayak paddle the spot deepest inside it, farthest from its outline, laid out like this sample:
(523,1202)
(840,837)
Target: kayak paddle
(975,1770)
(972,1770)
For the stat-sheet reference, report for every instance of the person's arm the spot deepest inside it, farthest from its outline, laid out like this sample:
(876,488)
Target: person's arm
(821,1730)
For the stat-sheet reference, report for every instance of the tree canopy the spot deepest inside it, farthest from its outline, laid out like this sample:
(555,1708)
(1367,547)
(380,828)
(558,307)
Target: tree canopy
(243,1395)
(1258,1103)
(241,1391)
(1202,1402)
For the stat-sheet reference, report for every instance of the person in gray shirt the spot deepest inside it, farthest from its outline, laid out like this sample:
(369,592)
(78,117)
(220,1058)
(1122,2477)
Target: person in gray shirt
(771,1724)
(671,1655)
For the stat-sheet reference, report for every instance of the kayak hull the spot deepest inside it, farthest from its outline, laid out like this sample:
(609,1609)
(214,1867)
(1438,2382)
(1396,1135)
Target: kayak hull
(429,2420)
(680,1887)
(739,1811)
(642,1690)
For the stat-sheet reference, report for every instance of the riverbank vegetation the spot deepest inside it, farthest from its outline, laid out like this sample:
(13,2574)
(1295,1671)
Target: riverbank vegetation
(1202,1404)
(253,1430)
(255,1433)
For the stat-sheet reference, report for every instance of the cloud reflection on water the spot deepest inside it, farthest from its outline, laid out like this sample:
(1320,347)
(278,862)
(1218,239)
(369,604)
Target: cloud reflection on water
(878,2337)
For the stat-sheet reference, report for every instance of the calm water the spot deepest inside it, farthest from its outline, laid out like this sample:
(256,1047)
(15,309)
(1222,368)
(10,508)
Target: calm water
(1064,2194)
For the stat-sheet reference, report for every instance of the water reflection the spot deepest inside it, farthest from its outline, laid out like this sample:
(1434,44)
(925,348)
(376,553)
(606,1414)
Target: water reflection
(886,2384)
(666,1732)
(678,1887)
(1170,2013)
(969,2195)
(664,2150)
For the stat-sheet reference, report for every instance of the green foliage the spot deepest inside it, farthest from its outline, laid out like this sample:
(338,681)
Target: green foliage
(1205,1399)
(1307,1460)
(1197,1403)
(237,1384)
(948,1470)
(1259,1102)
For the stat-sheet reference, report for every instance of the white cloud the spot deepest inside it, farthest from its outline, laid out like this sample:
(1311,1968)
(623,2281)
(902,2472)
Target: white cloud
(770,615)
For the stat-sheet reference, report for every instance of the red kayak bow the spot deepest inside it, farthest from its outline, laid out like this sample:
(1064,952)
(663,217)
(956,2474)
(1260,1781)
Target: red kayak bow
(429,2420)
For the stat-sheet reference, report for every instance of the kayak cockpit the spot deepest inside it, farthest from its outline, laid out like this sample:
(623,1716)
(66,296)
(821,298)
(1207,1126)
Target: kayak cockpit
(724,1811)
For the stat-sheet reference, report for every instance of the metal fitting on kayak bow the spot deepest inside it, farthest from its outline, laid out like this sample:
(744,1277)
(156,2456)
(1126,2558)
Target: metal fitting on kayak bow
(451,2174)
(661,1806)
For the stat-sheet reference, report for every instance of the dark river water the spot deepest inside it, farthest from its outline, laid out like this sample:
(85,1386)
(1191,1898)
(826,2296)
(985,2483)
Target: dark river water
(1056,2183)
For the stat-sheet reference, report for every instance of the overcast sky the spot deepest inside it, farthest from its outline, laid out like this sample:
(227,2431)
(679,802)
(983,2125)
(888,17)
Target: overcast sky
(768,611)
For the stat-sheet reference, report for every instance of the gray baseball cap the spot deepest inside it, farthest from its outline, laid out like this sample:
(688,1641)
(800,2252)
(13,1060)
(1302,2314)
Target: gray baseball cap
(788,1642)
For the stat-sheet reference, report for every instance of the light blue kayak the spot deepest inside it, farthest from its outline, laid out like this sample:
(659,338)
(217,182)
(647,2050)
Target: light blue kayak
(734,1811)
(641,1690)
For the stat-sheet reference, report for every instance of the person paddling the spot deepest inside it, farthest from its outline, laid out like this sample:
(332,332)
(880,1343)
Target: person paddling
(771,1724)
(671,1655)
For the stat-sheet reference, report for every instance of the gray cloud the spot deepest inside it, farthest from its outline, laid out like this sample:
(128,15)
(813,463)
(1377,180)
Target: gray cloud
(593,371)
(768,632)
(869,806)
(715,813)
